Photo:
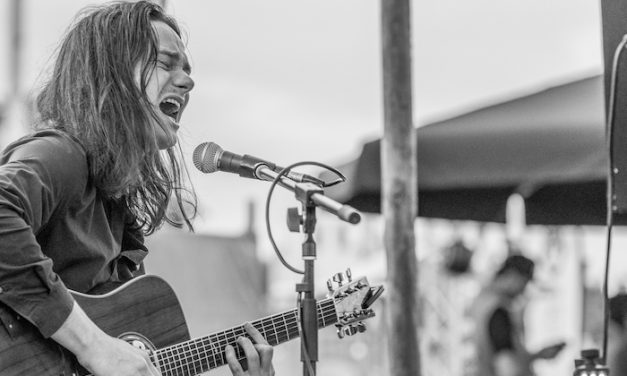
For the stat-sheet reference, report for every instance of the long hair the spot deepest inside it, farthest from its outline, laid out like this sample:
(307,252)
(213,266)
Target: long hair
(93,95)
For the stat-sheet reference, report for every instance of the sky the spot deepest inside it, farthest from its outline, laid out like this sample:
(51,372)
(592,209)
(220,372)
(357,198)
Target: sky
(291,81)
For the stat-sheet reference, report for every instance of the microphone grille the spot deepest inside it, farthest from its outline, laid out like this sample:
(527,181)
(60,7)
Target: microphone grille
(206,156)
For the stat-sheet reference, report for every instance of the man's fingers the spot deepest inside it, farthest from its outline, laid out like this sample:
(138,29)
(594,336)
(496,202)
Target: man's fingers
(153,370)
(250,352)
(231,358)
(254,334)
(148,368)
(257,351)
(265,355)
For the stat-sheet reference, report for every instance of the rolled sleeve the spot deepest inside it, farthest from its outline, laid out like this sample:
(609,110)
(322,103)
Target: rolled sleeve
(33,184)
(28,283)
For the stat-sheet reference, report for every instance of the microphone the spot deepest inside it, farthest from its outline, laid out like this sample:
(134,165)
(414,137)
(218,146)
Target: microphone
(210,157)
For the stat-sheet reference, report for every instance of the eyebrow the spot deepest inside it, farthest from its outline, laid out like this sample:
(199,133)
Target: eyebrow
(177,56)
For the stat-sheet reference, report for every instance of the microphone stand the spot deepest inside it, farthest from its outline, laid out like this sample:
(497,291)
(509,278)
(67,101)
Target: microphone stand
(311,196)
(309,315)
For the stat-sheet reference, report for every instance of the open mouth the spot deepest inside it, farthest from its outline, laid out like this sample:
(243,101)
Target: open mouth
(171,108)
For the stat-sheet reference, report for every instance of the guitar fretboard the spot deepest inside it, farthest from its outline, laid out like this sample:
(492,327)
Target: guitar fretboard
(202,354)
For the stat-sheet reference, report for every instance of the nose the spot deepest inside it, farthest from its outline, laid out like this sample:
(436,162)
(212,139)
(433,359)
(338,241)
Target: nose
(184,81)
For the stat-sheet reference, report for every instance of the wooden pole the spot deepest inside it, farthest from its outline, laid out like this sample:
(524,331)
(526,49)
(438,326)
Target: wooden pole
(12,119)
(15,32)
(399,189)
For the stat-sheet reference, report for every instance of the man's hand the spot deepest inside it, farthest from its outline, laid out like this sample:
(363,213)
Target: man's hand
(116,357)
(258,355)
(100,353)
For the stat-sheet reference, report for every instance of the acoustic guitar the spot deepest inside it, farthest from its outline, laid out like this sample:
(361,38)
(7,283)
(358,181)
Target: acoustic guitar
(146,313)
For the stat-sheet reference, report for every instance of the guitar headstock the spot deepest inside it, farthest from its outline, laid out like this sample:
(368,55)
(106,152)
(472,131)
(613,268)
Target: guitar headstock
(352,299)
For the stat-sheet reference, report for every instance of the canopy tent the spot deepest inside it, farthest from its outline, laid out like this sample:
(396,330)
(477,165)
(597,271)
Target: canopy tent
(548,146)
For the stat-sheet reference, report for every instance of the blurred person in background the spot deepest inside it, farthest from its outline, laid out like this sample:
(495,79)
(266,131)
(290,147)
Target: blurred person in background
(617,335)
(79,194)
(499,331)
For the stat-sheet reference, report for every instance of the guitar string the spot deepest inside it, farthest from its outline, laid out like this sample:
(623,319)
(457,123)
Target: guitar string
(176,356)
(263,325)
(175,360)
(236,332)
(198,368)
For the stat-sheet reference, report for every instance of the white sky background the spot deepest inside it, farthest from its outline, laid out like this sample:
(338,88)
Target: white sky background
(292,80)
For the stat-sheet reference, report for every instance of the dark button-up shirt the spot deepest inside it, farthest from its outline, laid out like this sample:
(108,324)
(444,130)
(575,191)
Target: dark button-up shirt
(56,230)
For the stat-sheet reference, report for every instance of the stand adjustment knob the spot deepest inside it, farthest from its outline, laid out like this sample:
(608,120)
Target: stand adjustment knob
(294,220)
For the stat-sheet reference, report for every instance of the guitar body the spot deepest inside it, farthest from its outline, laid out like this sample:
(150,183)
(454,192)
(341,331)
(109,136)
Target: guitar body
(146,305)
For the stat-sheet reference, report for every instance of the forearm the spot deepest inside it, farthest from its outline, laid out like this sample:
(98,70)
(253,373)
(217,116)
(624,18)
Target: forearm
(79,334)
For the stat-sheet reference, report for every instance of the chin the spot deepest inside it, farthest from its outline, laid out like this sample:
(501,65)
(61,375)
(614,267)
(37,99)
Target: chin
(166,144)
(165,138)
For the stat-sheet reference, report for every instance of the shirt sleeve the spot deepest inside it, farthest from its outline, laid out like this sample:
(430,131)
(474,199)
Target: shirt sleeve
(500,328)
(36,179)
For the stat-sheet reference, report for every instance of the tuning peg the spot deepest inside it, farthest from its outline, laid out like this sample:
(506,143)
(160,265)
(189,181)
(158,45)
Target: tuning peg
(349,275)
(339,278)
(340,333)
(329,285)
(350,330)
(361,327)
(341,295)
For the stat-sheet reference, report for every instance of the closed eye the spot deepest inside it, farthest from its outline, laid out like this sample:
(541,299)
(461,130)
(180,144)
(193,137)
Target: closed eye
(164,64)
(172,59)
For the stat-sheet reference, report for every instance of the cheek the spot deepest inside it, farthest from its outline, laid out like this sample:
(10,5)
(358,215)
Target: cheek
(155,84)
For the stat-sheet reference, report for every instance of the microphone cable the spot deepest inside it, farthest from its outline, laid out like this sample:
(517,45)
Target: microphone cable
(275,181)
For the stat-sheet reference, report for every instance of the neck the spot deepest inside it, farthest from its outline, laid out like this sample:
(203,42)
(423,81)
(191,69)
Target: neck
(203,354)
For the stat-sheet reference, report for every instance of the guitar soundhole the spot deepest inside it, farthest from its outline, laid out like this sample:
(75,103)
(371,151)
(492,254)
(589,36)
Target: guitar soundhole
(138,341)
(141,342)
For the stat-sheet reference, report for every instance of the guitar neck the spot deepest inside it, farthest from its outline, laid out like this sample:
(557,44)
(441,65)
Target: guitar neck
(203,354)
